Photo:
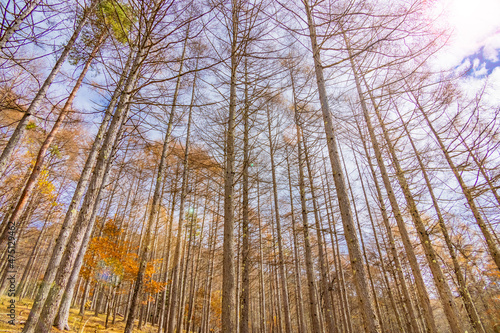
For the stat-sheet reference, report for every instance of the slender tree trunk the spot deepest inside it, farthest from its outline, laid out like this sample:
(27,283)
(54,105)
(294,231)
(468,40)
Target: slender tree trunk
(71,213)
(35,103)
(208,295)
(421,291)
(16,23)
(324,275)
(281,264)
(275,294)
(120,116)
(343,297)
(447,300)
(462,286)
(313,303)
(300,308)
(238,265)
(187,261)
(262,294)
(245,251)
(377,306)
(488,237)
(33,258)
(196,267)
(168,246)
(363,293)
(84,297)
(38,167)
(379,251)
(228,279)
(157,193)
(61,320)
(81,234)
(177,255)
(339,271)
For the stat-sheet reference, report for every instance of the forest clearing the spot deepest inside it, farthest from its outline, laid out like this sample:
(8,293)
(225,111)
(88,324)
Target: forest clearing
(242,166)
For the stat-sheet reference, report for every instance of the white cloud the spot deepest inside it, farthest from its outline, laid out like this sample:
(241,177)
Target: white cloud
(474,24)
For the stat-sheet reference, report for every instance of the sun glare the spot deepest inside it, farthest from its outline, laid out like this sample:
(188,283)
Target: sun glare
(473,22)
(474,25)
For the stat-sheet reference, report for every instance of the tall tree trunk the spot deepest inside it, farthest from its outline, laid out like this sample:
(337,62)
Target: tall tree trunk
(262,294)
(343,323)
(281,263)
(488,237)
(228,280)
(245,251)
(313,303)
(300,308)
(196,268)
(169,236)
(187,261)
(447,299)
(462,286)
(35,103)
(69,219)
(363,293)
(209,279)
(421,291)
(157,192)
(16,23)
(81,234)
(177,255)
(61,320)
(365,256)
(275,294)
(38,167)
(238,266)
(120,116)
(379,251)
(325,290)
(343,297)
(34,256)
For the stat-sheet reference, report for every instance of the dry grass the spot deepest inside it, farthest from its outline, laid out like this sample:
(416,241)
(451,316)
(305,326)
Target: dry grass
(78,324)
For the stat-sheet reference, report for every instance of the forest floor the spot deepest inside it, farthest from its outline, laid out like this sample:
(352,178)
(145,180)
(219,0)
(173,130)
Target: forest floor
(88,323)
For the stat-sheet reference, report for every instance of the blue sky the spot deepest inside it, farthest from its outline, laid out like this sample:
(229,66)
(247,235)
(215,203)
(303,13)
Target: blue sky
(475,27)
(474,44)
(481,63)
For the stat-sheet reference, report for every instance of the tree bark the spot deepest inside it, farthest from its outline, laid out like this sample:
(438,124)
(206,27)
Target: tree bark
(365,256)
(313,303)
(71,213)
(281,264)
(156,196)
(447,300)
(422,291)
(379,251)
(363,293)
(300,308)
(328,309)
(38,167)
(121,113)
(16,23)
(35,103)
(470,307)
(228,279)
(262,294)
(245,251)
(488,237)
(169,235)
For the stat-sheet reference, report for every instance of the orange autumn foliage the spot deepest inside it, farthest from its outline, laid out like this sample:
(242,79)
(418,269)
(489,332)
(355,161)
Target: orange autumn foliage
(109,252)
(110,259)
